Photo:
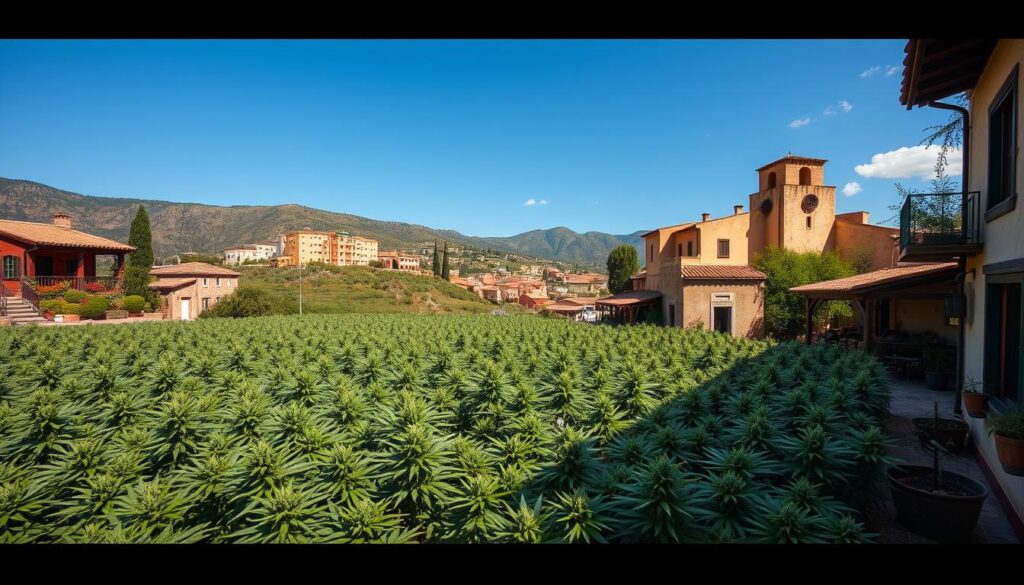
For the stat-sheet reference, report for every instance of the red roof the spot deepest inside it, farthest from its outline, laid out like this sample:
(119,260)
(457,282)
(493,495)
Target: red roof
(48,234)
(720,272)
(192,269)
(866,280)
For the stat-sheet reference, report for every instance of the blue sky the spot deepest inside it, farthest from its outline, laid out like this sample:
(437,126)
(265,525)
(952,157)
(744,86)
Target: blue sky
(613,136)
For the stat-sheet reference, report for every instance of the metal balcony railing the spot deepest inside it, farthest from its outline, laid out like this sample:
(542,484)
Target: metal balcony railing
(940,219)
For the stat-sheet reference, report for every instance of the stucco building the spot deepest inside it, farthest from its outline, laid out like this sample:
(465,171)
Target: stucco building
(702,268)
(981,228)
(252,252)
(337,248)
(189,289)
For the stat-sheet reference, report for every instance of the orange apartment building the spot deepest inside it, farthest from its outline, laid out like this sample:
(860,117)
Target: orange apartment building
(702,268)
(337,248)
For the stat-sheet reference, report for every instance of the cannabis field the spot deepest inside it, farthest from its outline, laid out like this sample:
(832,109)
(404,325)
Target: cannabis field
(401,428)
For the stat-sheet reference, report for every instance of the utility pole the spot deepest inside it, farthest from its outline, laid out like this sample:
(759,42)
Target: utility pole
(300,289)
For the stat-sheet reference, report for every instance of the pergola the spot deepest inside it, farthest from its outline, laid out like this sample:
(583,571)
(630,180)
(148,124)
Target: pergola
(625,307)
(919,281)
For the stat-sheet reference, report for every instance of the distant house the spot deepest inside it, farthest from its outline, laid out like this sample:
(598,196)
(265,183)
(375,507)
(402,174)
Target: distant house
(491,293)
(395,260)
(252,252)
(189,289)
(534,301)
(41,254)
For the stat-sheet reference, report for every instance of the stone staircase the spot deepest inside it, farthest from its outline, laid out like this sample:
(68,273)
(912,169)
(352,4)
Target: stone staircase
(20,312)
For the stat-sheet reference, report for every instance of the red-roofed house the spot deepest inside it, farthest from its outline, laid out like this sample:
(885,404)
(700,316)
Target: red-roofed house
(47,254)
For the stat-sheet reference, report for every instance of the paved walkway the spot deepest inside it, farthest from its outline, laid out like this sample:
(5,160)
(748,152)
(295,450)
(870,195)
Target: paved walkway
(100,322)
(914,400)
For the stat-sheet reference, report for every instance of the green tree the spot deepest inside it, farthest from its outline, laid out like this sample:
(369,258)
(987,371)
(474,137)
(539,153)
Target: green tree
(437,262)
(783,310)
(136,276)
(245,302)
(622,263)
(444,263)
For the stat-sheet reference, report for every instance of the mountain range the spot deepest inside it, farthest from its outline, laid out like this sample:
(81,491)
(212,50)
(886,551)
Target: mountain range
(194,227)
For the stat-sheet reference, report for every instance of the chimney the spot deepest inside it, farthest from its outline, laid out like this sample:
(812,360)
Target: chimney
(62,220)
(737,209)
(705,217)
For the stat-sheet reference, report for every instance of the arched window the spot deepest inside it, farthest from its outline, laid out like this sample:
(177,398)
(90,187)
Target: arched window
(805,176)
(771,180)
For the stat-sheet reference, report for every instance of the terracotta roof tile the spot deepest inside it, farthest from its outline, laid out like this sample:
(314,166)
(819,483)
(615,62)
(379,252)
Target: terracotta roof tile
(632,297)
(720,272)
(192,269)
(874,278)
(168,283)
(48,234)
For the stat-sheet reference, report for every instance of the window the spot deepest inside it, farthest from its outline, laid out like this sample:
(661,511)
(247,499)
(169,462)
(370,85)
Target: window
(680,249)
(1003,334)
(72,267)
(11,266)
(805,176)
(218,283)
(1002,148)
(808,222)
(206,282)
(723,248)
(206,303)
(671,315)
(689,248)
(771,180)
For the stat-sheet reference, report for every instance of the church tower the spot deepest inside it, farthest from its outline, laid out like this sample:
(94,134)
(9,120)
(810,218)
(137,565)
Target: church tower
(793,208)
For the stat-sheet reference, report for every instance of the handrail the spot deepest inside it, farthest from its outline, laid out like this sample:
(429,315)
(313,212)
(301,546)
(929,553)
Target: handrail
(82,283)
(28,293)
(940,219)
(3,299)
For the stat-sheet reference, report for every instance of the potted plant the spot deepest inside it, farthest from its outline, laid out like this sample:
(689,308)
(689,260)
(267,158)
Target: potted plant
(937,363)
(134,304)
(938,504)
(948,432)
(975,401)
(1008,428)
(72,312)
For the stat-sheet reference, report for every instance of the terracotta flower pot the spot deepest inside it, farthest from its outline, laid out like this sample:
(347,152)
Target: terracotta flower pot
(72,318)
(976,404)
(1011,454)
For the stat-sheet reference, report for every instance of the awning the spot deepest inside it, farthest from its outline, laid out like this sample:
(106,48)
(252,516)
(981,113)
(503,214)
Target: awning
(630,298)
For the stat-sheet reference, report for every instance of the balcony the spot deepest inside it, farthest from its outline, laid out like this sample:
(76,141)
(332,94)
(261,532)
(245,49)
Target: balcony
(939,227)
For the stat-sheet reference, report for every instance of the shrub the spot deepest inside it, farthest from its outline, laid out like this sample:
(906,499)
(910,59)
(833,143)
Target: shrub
(52,305)
(245,302)
(94,308)
(74,296)
(71,308)
(53,291)
(134,303)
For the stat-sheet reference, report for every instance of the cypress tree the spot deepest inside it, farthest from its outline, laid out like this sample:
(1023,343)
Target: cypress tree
(444,263)
(136,277)
(437,263)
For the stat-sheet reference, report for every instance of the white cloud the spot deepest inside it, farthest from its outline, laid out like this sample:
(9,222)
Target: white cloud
(800,123)
(852,189)
(907,162)
(870,71)
(530,202)
(891,70)
(543,202)
(841,105)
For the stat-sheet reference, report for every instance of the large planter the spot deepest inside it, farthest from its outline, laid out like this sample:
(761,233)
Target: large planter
(948,514)
(951,433)
(975,404)
(117,314)
(1011,454)
(158,316)
(938,380)
(72,318)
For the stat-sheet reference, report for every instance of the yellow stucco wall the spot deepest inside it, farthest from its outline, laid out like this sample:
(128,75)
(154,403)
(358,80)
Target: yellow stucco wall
(748,305)
(877,240)
(1003,237)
